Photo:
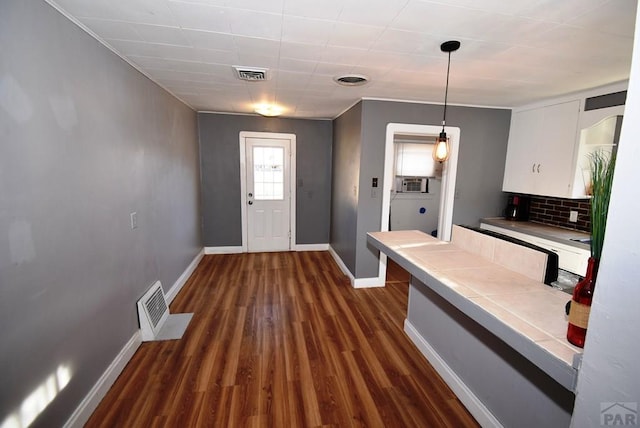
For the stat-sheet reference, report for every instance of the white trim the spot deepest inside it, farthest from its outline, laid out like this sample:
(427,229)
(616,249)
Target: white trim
(355,282)
(435,103)
(311,247)
(224,250)
(345,270)
(90,402)
(447,193)
(284,116)
(479,411)
(292,182)
(372,282)
(405,101)
(182,279)
(243,192)
(88,405)
(240,249)
(448,188)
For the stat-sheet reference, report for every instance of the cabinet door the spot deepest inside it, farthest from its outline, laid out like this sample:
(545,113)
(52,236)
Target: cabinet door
(555,153)
(540,154)
(524,136)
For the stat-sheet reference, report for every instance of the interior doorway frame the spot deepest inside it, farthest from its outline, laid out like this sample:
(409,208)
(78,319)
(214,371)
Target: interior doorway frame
(243,183)
(447,190)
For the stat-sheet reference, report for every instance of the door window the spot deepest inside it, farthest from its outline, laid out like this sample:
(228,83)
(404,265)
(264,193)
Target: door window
(268,173)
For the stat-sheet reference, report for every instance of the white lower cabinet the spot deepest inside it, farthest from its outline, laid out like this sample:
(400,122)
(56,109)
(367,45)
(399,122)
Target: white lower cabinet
(570,258)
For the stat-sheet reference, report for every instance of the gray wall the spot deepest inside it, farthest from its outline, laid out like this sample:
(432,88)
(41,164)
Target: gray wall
(84,140)
(483,147)
(345,184)
(220,164)
(513,389)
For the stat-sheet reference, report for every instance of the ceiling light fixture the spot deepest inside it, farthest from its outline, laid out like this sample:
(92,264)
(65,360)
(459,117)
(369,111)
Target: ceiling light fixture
(442,150)
(269,110)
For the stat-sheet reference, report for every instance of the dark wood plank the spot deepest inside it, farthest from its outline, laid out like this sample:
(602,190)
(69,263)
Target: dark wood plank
(282,339)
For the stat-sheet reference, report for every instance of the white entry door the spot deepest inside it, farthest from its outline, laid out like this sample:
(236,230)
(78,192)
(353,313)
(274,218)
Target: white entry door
(268,194)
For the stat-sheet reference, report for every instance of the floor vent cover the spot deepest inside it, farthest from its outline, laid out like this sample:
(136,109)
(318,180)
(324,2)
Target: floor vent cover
(156,323)
(156,307)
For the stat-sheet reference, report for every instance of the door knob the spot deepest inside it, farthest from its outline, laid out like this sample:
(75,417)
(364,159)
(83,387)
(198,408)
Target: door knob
(250,195)
(250,202)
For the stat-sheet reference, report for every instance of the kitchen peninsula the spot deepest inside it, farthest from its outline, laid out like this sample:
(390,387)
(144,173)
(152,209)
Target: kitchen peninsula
(480,314)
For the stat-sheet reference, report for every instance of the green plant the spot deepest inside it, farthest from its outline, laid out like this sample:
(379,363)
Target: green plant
(602,165)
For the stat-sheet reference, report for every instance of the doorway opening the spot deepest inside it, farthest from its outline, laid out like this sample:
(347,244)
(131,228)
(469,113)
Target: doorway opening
(267,191)
(447,184)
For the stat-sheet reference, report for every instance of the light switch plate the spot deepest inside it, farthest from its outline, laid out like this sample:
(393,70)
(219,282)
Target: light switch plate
(134,220)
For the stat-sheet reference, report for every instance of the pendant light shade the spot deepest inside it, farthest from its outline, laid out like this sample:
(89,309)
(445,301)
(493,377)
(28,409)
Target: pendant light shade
(442,149)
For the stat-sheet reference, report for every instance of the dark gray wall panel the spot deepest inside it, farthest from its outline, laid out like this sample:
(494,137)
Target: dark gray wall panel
(85,140)
(345,184)
(483,147)
(220,164)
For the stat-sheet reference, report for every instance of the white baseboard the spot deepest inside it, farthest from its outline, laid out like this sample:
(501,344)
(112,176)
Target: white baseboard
(88,405)
(355,282)
(479,411)
(239,249)
(311,247)
(223,250)
(86,408)
(368,282)
(345,270)
(177,286)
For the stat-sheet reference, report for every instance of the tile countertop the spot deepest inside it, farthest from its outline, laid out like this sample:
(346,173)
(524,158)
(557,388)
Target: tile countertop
(553,233)
(527,315)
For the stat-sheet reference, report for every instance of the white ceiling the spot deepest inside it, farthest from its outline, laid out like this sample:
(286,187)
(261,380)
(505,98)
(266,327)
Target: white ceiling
(513,52)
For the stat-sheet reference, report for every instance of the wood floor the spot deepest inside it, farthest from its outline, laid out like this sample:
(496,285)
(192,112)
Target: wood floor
(283,340)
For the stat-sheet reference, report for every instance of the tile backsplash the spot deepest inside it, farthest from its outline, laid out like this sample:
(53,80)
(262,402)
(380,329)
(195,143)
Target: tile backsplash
(555,212)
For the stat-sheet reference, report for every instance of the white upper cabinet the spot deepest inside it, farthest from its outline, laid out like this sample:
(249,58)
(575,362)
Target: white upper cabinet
(541,150)
(550,142)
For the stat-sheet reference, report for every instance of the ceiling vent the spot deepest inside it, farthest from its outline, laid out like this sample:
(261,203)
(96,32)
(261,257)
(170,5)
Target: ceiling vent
(351,80)
(251,74)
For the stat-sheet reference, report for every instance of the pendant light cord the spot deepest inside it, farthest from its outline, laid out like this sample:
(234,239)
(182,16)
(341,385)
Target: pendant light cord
(446,93)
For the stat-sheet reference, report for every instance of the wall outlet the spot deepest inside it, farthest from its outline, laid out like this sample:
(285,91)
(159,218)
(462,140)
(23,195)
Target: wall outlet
(134,220)
(573,216)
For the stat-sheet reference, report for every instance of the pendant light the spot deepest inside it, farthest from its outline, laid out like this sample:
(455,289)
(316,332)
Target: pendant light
(442,150)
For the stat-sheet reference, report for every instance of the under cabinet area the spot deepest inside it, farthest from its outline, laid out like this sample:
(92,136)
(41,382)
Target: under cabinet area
(541,148)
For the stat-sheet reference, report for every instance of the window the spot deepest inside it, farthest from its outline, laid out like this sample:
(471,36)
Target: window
(414,160)
(268,173)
